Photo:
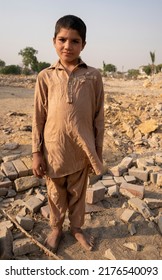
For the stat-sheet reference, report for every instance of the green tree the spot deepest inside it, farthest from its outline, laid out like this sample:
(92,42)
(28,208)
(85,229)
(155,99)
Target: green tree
(2,63)
(29,58)
(11,69)
(109,68)
(42,65)
(152,55)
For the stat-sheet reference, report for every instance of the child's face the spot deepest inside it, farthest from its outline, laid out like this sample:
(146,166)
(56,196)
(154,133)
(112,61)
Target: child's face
(68,44)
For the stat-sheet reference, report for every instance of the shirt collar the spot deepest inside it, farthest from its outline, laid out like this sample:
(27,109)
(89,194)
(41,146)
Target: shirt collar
(58,65)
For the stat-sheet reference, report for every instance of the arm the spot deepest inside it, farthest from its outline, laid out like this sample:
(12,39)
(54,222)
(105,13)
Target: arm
(39,119)
(99,117)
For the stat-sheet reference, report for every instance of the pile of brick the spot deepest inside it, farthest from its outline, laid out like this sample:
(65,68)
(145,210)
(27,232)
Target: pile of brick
(128,179)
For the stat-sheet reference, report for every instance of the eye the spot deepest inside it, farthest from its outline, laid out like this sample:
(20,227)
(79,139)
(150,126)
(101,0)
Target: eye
(62,40)
(75,41)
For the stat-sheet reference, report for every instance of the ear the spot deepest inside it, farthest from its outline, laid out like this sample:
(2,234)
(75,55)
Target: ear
(83,45)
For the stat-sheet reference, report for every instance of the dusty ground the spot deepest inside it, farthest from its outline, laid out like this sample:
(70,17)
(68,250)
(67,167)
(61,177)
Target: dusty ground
(125,103)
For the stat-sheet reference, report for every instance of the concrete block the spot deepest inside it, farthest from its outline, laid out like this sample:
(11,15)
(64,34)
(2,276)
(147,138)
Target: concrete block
(23,246)
(9,170)
(26,222)
(139,174)
(6,241)
(126,162)
(118,170)
(20,167)
(153,203)
(127,215)
(95,194)
(33,204)
(25,183)
(141,206)
(45,211)
(113,191)
(135,190)
(130,179)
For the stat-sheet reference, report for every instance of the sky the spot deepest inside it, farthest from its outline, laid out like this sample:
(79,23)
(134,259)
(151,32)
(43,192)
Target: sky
(120,32)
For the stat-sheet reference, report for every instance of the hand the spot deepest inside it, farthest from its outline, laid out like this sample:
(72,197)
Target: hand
(39,166)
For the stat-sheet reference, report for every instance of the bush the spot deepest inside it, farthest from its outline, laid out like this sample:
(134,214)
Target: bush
(147,69)
(11,69)
(133,73)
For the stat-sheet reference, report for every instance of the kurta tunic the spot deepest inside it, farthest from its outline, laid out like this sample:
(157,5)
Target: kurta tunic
(68,121)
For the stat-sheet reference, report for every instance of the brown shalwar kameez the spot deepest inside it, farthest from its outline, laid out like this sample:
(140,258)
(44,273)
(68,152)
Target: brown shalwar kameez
(68,126)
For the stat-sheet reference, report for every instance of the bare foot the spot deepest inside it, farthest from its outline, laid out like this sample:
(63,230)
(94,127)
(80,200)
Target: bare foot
(53,239)
(86,240)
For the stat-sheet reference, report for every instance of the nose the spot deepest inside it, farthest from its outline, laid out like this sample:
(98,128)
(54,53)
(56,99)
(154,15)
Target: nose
(67,45)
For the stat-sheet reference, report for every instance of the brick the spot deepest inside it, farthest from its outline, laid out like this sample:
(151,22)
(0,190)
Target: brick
(6,241)
(139,174)
(142,163)
(10,157)
(153,203)
(135,190)
(107,177)
(9,170)
(130,179)
(126,162)
(113,191)
(6,183)
(20,167)
(108,183)
(28,162)
(33,204)
(127,215)
(138,204)
(25,183)
(119,180)
(118,170)
(26,223)
(95,194)
(45,211)
(23,246)
(153,177)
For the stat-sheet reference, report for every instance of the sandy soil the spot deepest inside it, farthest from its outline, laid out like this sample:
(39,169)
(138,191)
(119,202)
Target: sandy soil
(106,226)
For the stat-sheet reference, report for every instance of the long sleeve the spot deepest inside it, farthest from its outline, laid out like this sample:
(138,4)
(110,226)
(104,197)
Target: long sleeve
(99,116)
(40,113)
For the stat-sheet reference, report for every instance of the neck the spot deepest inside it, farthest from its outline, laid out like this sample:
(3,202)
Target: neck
(69,67)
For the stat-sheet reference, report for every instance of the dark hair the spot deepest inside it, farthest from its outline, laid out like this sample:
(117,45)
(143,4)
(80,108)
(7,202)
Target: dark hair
(71,22)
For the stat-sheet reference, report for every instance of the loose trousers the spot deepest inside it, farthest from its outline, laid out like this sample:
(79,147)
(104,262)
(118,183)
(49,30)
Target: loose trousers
(67,193)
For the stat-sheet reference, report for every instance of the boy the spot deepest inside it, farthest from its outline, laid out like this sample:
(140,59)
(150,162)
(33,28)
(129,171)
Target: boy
(68,128)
